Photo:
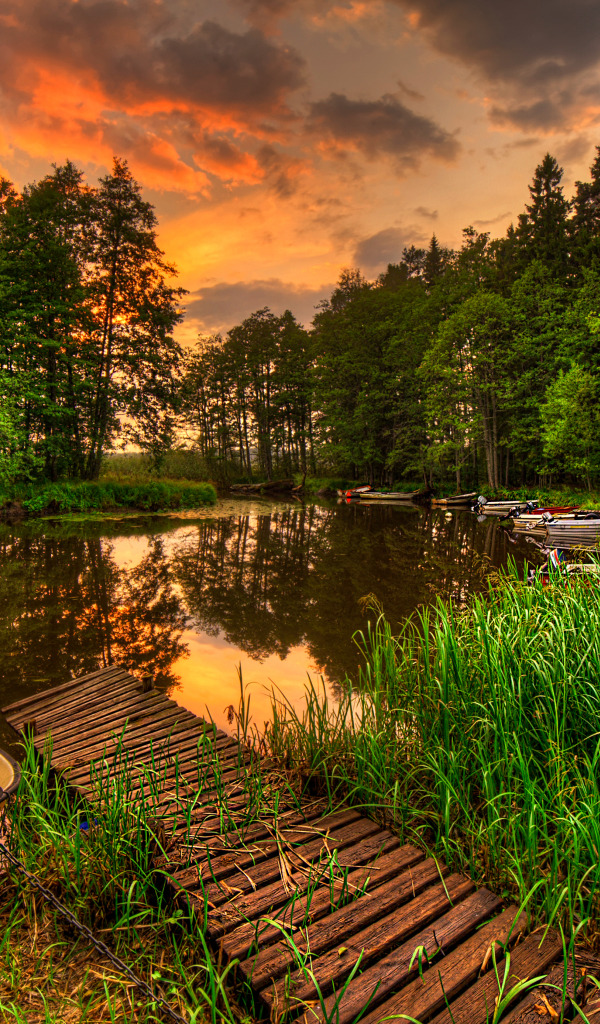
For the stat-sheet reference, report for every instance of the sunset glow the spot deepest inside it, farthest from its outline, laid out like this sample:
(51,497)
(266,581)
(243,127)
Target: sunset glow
(281,141)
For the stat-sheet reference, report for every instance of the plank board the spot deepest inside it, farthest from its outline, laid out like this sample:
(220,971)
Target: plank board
(328,914)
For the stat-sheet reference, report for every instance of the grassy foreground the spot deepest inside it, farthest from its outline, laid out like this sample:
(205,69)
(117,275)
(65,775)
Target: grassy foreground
(476,734)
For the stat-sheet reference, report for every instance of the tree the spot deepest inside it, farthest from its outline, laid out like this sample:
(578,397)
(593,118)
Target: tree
(467,384)
(136,359)
(585,223)
(86,318)
(542,229)
(570,424)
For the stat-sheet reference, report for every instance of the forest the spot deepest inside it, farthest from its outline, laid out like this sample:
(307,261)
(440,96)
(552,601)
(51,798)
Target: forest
(469,367)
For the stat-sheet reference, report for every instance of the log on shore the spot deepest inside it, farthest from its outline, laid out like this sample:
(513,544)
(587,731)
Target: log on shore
(276,486)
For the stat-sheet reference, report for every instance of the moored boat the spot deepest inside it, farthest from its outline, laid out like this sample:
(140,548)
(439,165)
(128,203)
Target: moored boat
(500,508)
(572,530)
(454,499)
(10,775)
(354,492)
(393,495)
(524,520)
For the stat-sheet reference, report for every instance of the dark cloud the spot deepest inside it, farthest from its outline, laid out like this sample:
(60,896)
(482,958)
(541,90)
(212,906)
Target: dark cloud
(375,252)
(544,115)
(422,211)
(411,93)
(516,38)
(536,57)
(138,55)
(491,220)
(382,127)
(219,307)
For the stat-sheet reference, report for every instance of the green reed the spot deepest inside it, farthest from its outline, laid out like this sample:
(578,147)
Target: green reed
(477,734)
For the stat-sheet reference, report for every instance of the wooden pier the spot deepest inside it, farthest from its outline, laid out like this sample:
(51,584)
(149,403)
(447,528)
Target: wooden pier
(301,899)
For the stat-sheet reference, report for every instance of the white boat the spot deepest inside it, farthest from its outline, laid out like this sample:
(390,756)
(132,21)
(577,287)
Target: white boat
(571,531)
(500,508)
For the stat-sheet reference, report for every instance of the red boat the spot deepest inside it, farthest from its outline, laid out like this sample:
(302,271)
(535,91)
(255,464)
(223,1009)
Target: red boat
(355,491)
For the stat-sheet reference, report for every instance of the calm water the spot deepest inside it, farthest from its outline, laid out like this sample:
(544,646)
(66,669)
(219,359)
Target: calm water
(274,587)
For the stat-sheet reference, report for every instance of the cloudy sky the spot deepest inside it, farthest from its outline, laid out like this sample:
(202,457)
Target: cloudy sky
(281,140)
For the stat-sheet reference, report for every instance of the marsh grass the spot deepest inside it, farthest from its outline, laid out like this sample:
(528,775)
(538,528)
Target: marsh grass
(62,498)
(475,733)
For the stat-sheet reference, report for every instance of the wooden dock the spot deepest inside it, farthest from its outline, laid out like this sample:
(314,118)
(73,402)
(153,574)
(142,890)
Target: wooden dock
(303,899)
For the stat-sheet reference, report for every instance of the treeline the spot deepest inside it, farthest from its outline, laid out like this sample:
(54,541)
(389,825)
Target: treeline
(467,366)
(476,365)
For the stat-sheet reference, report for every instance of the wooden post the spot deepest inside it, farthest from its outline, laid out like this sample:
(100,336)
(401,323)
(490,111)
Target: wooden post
(146,683)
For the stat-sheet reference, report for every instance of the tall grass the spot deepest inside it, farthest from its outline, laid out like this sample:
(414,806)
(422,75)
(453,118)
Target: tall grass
(60,498)
(98,857)
(477,734)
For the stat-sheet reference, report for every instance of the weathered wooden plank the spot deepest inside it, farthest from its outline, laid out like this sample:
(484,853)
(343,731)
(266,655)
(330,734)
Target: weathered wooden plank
(42,703)
(527,961)
(100,695)
(325,872)
(393,970)
(196,842)
(421,998)
(58,691)
(82,707)
(388,862)
(90,714)
(326,970)
(331,931)
(175,782)
(85,731)
(269,870)
(591,1011)
(134,727)
(229,862)
(554,996)
(134,736)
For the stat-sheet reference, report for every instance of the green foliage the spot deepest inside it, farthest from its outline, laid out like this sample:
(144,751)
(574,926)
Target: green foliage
(86,320)
(570,423)
(101,497)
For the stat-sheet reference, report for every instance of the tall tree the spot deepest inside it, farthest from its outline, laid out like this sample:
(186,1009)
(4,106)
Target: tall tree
(543,228)
(135,311)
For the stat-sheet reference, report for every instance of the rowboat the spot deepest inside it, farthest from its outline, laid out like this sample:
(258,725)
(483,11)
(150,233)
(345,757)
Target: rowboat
(10,775)
(526,520)
(454,499)
(500,508)
(354,492)
(392,495)
(572,531)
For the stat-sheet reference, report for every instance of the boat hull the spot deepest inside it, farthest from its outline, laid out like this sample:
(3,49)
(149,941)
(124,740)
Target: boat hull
(390,495)
(454,499)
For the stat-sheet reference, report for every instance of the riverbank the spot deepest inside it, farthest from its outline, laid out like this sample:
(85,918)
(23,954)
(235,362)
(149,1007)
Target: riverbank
(105,496)
(475,733)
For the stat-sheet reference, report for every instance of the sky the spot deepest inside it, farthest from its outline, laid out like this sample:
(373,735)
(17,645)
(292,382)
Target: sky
(281,140)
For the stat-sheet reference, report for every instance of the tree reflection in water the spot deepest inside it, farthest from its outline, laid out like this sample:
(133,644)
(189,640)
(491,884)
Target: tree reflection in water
(265,583)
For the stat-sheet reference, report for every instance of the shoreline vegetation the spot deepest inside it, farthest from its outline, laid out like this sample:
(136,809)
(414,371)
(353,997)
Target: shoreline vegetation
(472,733)
(105,496)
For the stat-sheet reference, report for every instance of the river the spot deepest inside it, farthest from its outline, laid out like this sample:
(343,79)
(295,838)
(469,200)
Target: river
(273,587)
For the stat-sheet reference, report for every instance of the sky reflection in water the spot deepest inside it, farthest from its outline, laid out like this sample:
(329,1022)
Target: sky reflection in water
(273,587)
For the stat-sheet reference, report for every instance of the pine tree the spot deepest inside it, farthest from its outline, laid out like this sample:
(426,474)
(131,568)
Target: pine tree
(585,223)
(542,230)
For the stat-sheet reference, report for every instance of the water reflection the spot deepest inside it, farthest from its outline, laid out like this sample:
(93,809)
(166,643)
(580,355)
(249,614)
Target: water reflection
(278,587)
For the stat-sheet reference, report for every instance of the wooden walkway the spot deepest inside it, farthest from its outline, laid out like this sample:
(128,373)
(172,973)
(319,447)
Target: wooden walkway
(303,899)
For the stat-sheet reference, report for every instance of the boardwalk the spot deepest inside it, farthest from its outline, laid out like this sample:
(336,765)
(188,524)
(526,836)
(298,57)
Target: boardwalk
(303,899)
